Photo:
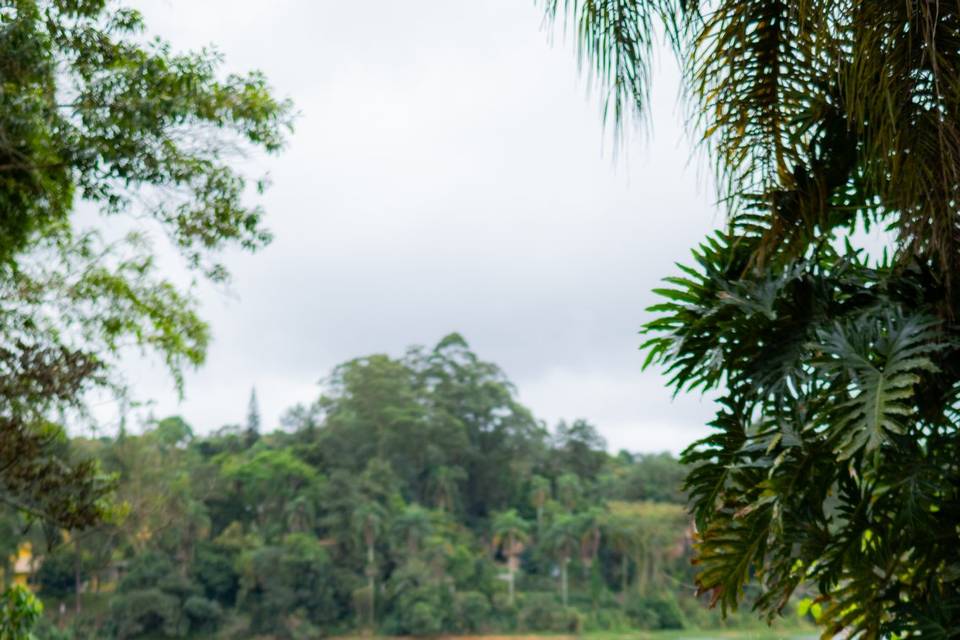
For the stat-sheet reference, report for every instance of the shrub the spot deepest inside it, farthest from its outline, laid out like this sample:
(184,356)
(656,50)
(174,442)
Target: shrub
(473,611)
(608,619)
(56,576)
(424,620)
(203,614)
(213,568)
(542,612)
(146,611)
(20,611)
(655,612)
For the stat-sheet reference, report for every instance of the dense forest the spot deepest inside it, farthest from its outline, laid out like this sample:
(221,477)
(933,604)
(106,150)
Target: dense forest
(415,496)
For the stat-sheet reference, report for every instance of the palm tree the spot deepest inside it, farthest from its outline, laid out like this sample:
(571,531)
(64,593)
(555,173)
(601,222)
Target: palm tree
(509,533)
(561,539)
(589,523)
(368,522)
(569,490)
(539,494)
(412,525)
(836,371)
(623,536)
(301,514)
(444,486)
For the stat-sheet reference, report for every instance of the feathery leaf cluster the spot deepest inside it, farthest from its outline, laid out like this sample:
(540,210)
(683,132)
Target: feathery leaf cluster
(833,462)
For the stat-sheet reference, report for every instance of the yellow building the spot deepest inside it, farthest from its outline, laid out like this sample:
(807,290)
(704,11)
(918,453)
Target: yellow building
(22,564)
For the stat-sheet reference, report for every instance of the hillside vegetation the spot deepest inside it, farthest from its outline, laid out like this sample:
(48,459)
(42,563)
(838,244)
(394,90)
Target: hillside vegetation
(416,496)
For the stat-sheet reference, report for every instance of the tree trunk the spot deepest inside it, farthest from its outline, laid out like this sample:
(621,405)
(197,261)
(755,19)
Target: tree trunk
(624,576)
(563,581)
(373,599)
(76,578)
(641,575)
(510,576)
(371,585)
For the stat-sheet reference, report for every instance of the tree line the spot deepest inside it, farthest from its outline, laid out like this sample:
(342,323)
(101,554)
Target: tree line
(415,496)
(832,465)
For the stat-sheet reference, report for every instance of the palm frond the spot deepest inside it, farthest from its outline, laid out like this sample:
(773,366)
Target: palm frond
(615,41)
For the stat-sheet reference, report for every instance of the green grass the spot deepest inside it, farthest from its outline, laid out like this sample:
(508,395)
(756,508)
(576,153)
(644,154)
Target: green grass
(720,634)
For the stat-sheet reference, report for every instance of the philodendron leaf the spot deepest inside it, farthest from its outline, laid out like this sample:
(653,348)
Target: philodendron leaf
(874,364)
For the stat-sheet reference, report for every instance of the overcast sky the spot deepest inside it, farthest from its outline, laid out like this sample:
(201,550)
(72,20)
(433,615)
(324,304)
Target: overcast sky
(448,173)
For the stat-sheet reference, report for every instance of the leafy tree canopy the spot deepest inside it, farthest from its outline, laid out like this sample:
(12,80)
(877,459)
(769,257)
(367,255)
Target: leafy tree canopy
(94,113)
(297,533)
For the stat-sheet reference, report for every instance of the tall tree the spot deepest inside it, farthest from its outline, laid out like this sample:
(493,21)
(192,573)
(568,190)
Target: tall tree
(91,111)
(539,494)
(833,458)
(624,538)
(369,521)
(253,414)
(562,539)
(578,448)
(412,526)
(444,487)
(510,531)
(499,438)
(591,530)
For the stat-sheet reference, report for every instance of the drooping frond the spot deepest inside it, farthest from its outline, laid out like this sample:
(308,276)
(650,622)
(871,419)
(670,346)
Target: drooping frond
(900,87)
(819,114)
(833,457)
(615,46)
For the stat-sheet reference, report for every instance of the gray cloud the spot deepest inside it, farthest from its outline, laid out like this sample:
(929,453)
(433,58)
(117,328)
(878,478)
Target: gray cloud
(447,174)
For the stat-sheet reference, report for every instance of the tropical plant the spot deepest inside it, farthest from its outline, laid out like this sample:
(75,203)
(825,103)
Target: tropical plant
(234,537)
(19,612)
(622,533)
(569,490)
(539,494)
(412,526)
(833,458)
(368,522)
(444,486)
(562,539)
(509,533)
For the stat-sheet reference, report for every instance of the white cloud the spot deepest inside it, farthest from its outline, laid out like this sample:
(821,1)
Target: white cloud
(447,174)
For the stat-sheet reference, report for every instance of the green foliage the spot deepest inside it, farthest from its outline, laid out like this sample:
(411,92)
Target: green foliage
(578,448)
(154,598)
(272,536)
(19,612)
(655,612)
(509,527)
(123,126)
(655,476)
(472,612)
(214,570)
(542,612)
(91,111)
(832,462)
(147,612)
(56,576)
(827,466)
(420,600)
(294,576)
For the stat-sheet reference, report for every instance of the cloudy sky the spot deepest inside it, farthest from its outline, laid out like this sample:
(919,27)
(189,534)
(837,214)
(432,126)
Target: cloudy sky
(448,172)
